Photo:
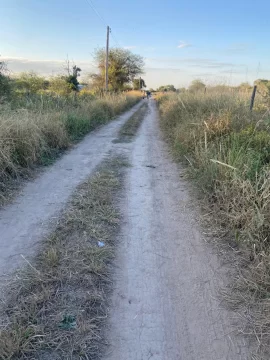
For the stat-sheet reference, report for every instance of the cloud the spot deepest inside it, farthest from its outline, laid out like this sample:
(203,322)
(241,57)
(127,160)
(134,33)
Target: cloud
(130,47)
(204,74)
(43,67)
(231,71)
(238,49)
(200,63)
(183,44)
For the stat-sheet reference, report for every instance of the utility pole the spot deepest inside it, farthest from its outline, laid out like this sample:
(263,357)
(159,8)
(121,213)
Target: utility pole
(252,97)
(107,59)
(140,83)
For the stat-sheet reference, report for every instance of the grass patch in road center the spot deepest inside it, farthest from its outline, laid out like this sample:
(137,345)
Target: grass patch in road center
(130,128)
(57,305)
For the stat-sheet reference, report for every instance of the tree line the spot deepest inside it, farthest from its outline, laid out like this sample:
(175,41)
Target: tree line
(124,73)
(125,70)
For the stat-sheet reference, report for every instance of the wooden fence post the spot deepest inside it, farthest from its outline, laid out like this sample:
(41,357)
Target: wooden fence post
(253,97)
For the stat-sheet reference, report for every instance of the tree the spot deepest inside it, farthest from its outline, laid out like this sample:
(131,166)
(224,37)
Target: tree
(124,66)
(263,86)
(30,82)
(60,86)
(72,75)
(5,87)
(73,79)
(138,84)
(196,85)
(166,88)
(127,87)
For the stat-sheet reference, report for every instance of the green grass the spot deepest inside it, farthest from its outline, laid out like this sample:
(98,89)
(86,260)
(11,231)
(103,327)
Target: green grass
(227,151)
(57,306)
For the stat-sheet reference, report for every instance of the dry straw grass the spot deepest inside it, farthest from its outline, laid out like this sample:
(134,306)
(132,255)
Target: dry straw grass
(228,153)
(35,130)
(57,305)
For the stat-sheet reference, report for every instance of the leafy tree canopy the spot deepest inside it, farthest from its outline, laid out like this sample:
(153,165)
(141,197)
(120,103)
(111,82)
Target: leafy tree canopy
(166,88)
(124,66)
(138,84)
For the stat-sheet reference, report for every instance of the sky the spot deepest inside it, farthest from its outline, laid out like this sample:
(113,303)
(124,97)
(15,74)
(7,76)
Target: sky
(216,41)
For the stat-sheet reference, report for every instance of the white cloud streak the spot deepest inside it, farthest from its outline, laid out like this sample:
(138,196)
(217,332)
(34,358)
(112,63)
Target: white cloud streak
(183,45)
(43,67)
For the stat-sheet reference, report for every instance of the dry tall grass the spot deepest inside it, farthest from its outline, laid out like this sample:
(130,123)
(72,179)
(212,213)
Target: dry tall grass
(228,153)
(36,128)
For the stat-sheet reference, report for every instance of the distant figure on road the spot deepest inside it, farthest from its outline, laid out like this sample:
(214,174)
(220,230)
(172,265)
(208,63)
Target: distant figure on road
(148,94)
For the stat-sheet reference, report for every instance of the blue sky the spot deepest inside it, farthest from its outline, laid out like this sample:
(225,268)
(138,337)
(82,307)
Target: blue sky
(180,40)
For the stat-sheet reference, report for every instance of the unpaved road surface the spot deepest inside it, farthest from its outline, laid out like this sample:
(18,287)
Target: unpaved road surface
(26,221)
(165,302)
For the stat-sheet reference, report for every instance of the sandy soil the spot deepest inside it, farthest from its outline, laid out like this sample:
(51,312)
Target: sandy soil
(26,221)
(165,303)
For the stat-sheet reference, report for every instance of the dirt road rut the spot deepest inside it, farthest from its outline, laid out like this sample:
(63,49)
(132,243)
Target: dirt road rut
(165,303)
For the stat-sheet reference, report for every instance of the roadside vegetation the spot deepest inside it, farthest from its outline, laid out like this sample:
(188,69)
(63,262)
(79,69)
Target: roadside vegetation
(56,307)
(40,117)
(227,151)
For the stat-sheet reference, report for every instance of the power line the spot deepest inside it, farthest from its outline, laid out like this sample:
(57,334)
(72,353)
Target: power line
(95,10)
(90,3)
(115,40)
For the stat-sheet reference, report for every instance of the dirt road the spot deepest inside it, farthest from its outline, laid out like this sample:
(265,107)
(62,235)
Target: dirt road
(165,303)
(26,221)
(165,300)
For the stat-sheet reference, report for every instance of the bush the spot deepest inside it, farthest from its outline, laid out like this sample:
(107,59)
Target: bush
(60,86)
(30,83)
(5,87)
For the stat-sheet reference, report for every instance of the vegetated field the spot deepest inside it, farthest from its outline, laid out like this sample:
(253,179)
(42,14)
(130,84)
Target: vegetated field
(227,149)
(35,128)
